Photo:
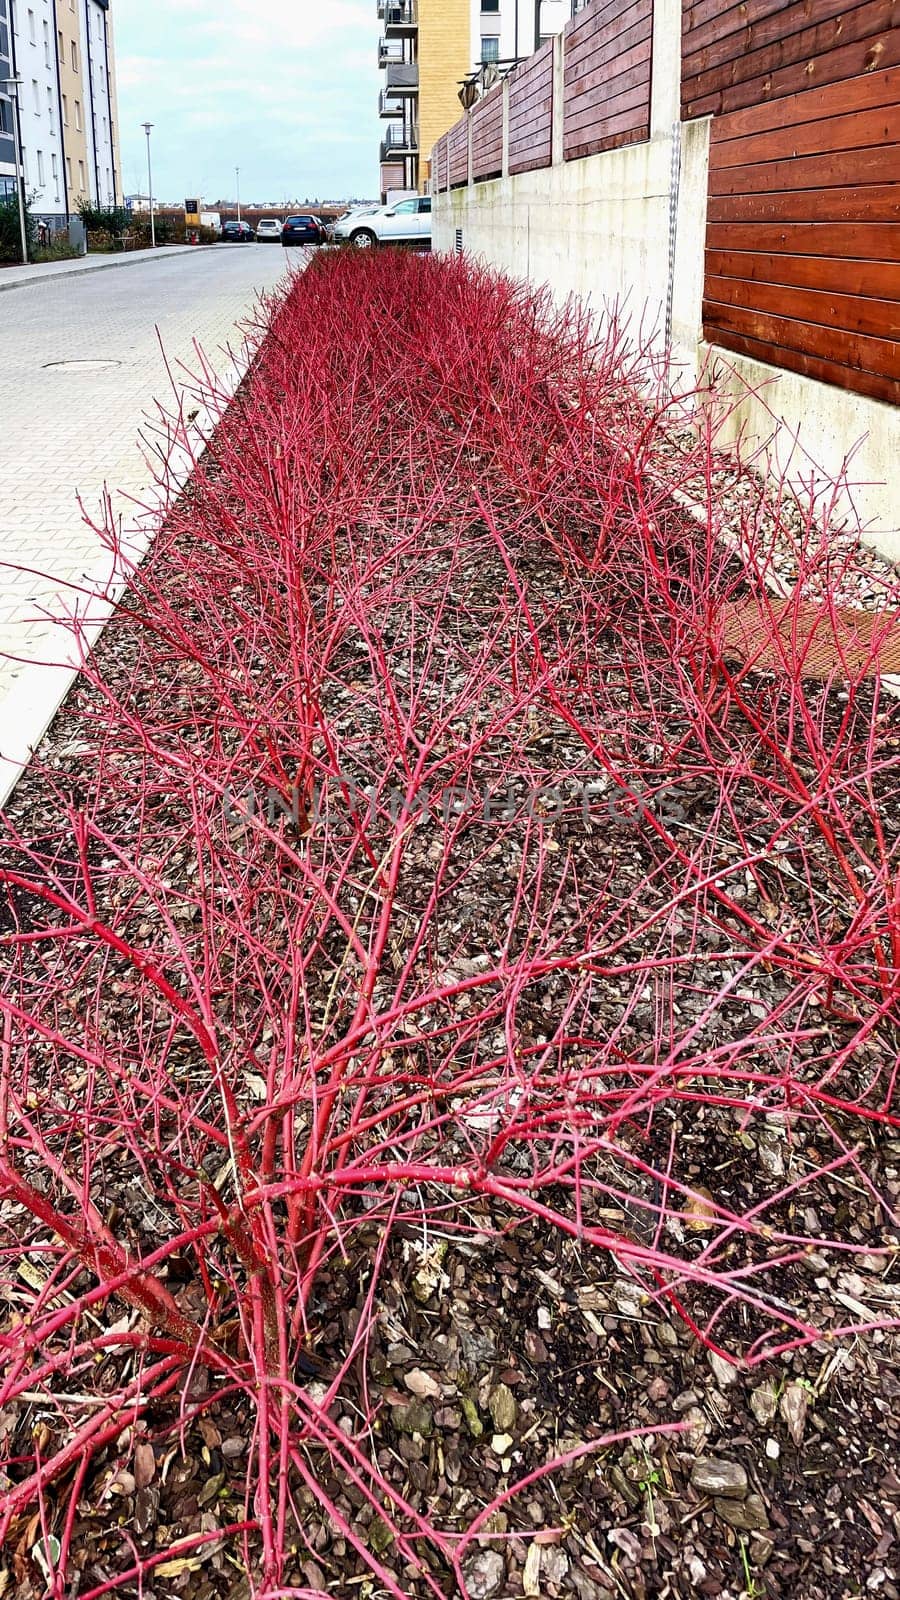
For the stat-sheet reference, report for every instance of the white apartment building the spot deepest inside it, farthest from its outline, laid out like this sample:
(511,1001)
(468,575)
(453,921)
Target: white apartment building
(7,110)
(97,69)
(40,118)
(507,30)
(62,53)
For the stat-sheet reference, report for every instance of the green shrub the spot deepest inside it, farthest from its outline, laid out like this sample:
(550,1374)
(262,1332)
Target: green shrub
(10,230)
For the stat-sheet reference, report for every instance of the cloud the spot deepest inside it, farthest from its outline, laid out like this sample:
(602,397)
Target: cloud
(287,91)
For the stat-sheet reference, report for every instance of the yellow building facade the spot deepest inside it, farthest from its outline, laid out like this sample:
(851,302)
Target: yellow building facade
(425,53)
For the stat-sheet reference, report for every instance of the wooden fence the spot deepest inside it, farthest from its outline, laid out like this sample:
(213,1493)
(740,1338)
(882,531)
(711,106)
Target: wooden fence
(803,234)
(608,51)
(458,153)
(487,136)
(744,54)
(531,112)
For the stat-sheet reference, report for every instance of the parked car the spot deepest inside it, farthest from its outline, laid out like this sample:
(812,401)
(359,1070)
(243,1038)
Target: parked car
(303,230)
(268,230)
(237,233)
(404,222)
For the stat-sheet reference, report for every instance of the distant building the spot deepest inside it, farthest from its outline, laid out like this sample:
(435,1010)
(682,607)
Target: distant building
(7,144)
(429,47)
(64,55)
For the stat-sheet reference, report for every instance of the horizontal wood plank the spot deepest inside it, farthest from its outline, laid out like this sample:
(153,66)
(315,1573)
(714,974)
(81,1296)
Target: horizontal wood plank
(845,348)
(855,131)
(841,313)
(869,203)
(863,93)
(816,367)
(837,65)
(838,241)
(877,164)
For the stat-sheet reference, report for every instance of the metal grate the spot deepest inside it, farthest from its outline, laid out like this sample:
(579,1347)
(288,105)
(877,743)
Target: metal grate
(459,242)
(811,640)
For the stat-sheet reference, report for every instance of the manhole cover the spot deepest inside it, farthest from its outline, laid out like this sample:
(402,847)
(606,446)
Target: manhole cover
(79,366)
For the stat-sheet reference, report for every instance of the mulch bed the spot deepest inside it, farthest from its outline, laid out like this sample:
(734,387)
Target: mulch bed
(494,1340)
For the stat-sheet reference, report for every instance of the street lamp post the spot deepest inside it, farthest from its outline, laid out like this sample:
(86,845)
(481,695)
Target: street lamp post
(13,86)
(237,179)
(147,126)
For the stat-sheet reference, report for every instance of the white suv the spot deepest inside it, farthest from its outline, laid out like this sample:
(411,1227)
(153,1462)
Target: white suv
(404,222)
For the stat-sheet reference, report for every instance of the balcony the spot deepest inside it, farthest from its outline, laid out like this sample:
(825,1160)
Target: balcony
(389,105)
(399,16)
(400,141)
(390,53)
(403,78)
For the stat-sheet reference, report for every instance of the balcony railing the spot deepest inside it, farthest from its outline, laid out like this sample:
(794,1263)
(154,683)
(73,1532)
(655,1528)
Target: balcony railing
(399,16)
(403,79)
(389,105)
(390,53)
(400,141)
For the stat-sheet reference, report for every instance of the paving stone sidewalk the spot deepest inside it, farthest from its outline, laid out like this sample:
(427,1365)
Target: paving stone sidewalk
(86,359)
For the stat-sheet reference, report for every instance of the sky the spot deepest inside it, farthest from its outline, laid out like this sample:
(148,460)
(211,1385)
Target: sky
(287,90)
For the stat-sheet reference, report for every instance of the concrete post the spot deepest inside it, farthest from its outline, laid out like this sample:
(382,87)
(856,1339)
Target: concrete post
(505,164)
(469,147)
(665,84)
(559,102)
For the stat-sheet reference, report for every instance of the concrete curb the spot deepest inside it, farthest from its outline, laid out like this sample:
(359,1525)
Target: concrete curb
(76,270)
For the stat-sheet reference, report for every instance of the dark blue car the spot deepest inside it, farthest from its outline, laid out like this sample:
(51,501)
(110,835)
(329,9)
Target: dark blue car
(303,230)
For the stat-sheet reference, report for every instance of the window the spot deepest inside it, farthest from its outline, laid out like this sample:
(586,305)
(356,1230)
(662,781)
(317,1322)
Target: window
(81,175)
(54,168)
(490,5)
(36,96)
(31,32)
(65,106)
(46,44)
(5,117)
(425,207)
(40,166)
(69,170)
(73,51)
(407,208)
(78,115)
(490,48)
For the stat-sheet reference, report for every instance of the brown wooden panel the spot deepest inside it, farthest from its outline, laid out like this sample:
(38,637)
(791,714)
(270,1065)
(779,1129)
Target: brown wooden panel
(824,371)
(827,67)
(764,21)
(607,52)
(439,166)
(854,131)
(531,112)
(863,93)
(847,313)
(875,165)
(487,136)
(458,152)
(803,232)
(878,280)
(718,56)
(857,351)
(874,203)
(840,241)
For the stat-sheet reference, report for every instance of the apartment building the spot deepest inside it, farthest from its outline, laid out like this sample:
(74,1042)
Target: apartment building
(429,48)
(40,112)
(62,52)
(7,109)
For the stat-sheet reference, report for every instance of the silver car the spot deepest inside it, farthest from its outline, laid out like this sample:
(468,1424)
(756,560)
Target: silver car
(268,230)
(403,222)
